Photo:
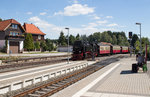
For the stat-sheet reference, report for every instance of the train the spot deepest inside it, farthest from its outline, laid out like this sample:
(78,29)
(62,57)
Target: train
(82,49)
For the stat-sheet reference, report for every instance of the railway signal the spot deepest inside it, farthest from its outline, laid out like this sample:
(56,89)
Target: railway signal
(130,35)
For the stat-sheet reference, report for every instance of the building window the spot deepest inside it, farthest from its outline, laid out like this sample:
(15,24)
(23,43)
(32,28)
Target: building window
(39,37)
(11,33)
(14,26)
(14,33)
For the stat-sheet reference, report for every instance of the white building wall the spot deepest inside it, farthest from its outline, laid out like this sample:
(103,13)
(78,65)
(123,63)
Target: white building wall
(8,47)
(20,46)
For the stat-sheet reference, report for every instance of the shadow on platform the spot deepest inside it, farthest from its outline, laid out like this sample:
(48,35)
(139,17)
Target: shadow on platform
(126,72)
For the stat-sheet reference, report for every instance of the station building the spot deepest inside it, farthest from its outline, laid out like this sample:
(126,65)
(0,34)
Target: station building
(12,35)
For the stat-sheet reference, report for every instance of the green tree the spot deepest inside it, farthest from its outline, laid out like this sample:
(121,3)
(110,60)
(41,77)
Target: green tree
(120,40)
(110,33)
(106,37)
(43,46)
(71,39)
(49,45)
(83,37)
(137,46)
(134,39)
(97,36)
(37,45)
(78,37)
(114,42)
(90,38)
(1,20)
(28,42)
(62,39)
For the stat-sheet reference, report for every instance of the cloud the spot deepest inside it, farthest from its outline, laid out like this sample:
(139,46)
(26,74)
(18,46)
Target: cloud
(75,1)
(75,10)
(95,17)
(51,30)
(43,13)
(102,22)
(92,25)
(112,25)
(109,17)
(109,29)
(29,13)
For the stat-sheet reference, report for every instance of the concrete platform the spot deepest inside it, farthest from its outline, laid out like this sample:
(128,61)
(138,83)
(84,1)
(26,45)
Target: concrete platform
(18,79)
(114,80)
(122,83)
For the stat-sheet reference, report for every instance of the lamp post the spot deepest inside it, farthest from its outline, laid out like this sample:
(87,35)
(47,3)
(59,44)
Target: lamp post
(140,37)
(68,44)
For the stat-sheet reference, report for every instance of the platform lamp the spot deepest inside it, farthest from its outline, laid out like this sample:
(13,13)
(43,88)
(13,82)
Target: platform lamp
(140,37)
(68,43)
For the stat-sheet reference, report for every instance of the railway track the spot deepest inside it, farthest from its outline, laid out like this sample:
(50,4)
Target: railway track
(31,64)
(64,81)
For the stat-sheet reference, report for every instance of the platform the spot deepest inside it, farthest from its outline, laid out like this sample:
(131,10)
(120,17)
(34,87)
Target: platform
(21,78)
(122,83)
(114,80)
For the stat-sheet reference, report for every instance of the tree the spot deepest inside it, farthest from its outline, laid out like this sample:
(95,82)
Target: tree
(97,36)
(120,40)
(114,42)
(28,42)
(49,45)
(83,37)
(78,37)
(62,39)
(134,39)
(43,46)
(1,20)
(90,38)
(106,37)
(37,45)
(137,46)
(71,39)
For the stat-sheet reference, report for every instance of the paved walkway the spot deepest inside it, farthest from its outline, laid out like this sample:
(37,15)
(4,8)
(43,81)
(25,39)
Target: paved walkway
(114,80)
(122,83)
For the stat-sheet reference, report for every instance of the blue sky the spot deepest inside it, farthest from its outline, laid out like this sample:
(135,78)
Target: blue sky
(81,16)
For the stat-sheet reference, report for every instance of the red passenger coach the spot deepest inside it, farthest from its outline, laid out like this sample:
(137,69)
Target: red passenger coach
(116,49)
(125,49)
(104,49)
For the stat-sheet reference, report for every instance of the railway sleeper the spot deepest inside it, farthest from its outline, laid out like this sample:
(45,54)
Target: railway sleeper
(56,85)
(46,89)
(51,87)
(33,95)
(40,92)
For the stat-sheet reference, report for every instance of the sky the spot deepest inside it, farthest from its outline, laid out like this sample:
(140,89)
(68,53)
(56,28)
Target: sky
(80,16)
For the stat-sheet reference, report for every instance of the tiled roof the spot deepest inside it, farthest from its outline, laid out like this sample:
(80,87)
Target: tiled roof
(30,28)
(4,24)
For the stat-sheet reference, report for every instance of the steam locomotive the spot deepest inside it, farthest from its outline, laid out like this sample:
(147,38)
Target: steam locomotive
(82,49)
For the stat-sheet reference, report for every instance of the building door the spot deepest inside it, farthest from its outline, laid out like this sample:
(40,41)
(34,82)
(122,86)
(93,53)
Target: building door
(14,47)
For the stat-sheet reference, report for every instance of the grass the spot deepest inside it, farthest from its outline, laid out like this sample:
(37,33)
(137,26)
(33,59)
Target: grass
(2,53)
(40,52)
(9,58)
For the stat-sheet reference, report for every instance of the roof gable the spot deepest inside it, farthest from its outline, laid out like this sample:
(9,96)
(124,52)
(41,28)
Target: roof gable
(4,24)
(31,28)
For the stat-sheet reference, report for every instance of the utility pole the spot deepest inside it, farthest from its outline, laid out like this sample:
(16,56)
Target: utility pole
(68,44)
(140,37)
